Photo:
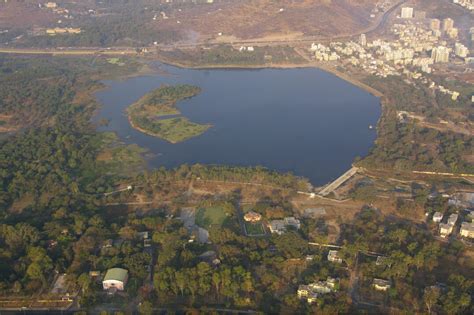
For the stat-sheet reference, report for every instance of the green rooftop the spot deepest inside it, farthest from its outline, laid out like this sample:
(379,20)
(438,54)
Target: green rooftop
(118,274)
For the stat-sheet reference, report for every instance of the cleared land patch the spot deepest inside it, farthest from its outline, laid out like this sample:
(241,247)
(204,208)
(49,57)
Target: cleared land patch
(254,229)
(211,216)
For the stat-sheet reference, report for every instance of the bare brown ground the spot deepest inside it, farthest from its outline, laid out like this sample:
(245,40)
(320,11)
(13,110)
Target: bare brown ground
(272,19)
(24,15)
(444,126)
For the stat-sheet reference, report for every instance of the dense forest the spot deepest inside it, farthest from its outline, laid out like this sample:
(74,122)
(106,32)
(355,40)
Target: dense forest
(228,55)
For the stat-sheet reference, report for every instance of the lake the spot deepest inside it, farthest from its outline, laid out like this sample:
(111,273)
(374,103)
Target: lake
(305,121)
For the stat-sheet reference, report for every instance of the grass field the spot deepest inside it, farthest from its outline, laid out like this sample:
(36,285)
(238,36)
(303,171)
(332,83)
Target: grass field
(254,228)
(178,129)
(205,217)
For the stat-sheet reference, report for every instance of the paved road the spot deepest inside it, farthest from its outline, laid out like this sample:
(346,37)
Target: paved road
(69,51)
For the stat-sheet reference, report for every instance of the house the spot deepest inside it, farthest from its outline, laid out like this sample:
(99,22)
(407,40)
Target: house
(279,226)
(381,285)
(51,244)
(333,256)
(467,229)
(437,217)
(445,229)
(453,218)
(331,283)
(252,216)
(303,291)
(51,5)
(311,291)
(320,287)
(143,235)
(108,243)
(470,215)
(115,279)
(293,222)
(382,261)
(312,298)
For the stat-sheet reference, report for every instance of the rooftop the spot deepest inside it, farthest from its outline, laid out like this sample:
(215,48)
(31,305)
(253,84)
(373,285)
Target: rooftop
(118,274)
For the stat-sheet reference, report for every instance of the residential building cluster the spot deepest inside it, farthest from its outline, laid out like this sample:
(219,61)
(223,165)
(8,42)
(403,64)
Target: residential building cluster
(310,292)
(468,4)
(56,9)
(446,229)
(416,46)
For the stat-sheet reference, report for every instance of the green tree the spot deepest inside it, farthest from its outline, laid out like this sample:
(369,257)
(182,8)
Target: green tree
(145,308)
(430,297)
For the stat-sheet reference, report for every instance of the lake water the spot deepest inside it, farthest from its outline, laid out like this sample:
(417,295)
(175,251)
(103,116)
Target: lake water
(305,121)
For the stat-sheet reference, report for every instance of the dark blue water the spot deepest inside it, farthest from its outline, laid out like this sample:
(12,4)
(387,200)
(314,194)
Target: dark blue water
(305,121)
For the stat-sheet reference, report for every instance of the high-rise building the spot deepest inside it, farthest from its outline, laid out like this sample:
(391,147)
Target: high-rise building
(407,13)
(448,24)
(461,50)
(440,54)
(453,33)
(363,40)
(435,24)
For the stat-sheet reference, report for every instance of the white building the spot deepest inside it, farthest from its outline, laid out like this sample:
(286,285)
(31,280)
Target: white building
(460,50)
(435,24)
(115,279)
(280,226)
(407,13)
(381,285)
(445,230)
(467,229)
(437,217)
(333,256)
(448,24)
(363,40)
(440,54)
(453,218)
(51,5)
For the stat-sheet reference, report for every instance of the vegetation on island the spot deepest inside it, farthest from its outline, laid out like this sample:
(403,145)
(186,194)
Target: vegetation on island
(147,114)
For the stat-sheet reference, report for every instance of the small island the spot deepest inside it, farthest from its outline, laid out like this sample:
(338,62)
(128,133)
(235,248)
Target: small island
(156,114)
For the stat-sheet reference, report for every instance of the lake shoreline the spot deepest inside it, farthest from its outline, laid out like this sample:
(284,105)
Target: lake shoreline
(149,133)
(325,68)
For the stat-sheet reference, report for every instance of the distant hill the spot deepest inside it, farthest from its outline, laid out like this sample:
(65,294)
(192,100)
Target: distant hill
(269,18)
(142,22)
